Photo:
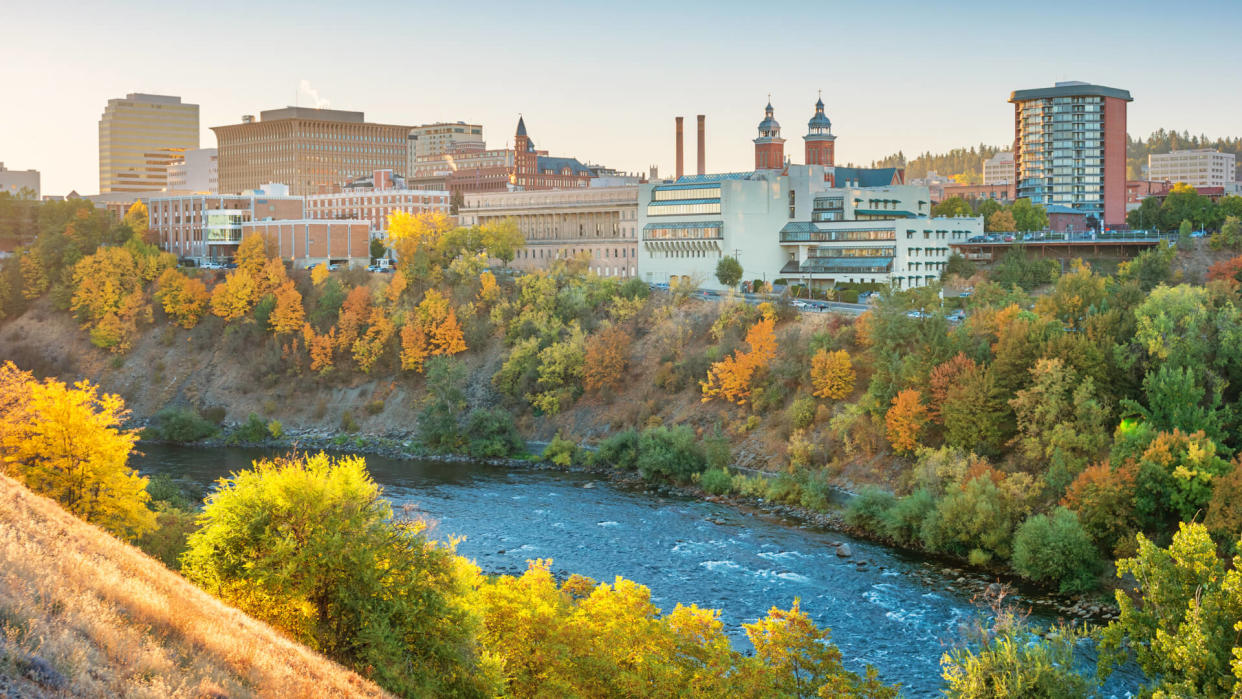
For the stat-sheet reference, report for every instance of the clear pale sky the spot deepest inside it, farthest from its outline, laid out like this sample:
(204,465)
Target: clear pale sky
(603,81)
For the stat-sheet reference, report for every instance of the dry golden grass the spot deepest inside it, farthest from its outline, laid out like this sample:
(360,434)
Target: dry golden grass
(117,623)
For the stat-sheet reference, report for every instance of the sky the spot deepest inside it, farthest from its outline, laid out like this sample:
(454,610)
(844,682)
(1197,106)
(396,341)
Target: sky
(602,81)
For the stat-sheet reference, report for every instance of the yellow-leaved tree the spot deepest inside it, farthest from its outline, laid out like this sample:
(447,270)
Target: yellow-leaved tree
(67,443)
(184,299)
(252,255)
(319,274)
(234,298)
(832,374)
(905,420)
(136,219)
(288,316)
(731,378)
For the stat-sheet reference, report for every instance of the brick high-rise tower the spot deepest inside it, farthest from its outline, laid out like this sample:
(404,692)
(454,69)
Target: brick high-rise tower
(769,147)
(525,159)
(819,139)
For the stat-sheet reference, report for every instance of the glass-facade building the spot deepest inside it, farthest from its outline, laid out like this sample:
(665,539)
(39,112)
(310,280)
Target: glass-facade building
(1069,148)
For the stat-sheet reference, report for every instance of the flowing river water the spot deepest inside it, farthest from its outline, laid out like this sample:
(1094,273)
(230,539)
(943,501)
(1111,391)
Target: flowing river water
(891,609)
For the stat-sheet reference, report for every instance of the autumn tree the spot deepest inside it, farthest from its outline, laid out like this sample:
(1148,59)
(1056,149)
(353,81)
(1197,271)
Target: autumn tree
(607,358)
(732,377)
(489,290)
(184,299)
(1001,221)
(319,274)
(832,374)
(1104,498)
(415,238)
(137,220)
(370,347)
(288,316)
(235,296)
(446,336)
(396,287)
(1062,424)
(942,378)
(905,420)
(320,347)
(252,255)
(67,443)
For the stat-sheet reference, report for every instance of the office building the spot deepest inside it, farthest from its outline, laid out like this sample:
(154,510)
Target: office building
(311,150)
(814,224)
(998,169)
(433,140)
(1070,148)
(1202,167)
(374,199)
(19,183)
(306,242)
(599,223)
(195,171)
(208,227)
(139,136)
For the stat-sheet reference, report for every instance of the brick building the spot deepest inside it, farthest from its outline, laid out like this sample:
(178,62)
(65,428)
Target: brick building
(374,199)
(208,227)
(305,242)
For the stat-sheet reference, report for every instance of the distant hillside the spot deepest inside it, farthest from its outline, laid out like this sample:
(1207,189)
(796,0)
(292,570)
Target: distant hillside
(967,162)
(83,614)
(1162,141)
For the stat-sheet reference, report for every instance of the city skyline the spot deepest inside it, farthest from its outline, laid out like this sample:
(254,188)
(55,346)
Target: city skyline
(912,80)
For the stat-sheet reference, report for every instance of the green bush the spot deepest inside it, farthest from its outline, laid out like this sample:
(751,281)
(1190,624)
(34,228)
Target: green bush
(848,296)
(254,430)
(784,489)
(817,492)
(181,425)
(275,429)
(166,491)
(801,412)
(167,541)
(1055,550)
(492,434)
(717,452)
(214,414)
(263,309)
(635,288)
(561,452)
(671,452)
(348,424)
(750,486)
(968,517)
(716,481)
(904,520)
(869,508)
(619,450)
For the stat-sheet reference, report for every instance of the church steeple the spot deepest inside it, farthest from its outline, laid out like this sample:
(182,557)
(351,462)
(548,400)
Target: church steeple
(820,143)
(769,146)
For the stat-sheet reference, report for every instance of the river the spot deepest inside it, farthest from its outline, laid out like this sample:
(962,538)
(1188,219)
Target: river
(896,611)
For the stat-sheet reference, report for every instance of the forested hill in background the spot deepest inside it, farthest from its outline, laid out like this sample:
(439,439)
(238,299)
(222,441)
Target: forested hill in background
(968,162)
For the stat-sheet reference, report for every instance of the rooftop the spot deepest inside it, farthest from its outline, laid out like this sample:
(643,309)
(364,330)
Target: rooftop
(311,113)
(1072,88)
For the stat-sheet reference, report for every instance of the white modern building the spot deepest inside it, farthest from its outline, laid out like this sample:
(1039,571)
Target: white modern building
(195,171)
(598,222)
(1201,167)
(14,181)
(998,169)
(792,225)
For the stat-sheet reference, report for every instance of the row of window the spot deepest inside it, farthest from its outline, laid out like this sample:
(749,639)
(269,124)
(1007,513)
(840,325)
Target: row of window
(683,209)
(683,233)
(542,253)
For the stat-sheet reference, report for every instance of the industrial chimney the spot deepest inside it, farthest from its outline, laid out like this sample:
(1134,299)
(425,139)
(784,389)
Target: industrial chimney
(702,147)
(680,157)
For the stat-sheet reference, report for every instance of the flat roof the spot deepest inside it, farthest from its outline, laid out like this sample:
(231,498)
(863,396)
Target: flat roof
(1070,89)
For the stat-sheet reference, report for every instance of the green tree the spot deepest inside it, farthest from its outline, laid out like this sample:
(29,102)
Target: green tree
(953,206)
(1055,550)
(729,272)
(446,399)
(1183,628)
(672,452)
(1012,661)
(378,248)
(1062,424)
(309,545)
(1028,216)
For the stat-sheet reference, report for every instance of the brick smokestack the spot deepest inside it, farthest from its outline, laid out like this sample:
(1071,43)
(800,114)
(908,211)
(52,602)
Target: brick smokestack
(681,161)
(702,146)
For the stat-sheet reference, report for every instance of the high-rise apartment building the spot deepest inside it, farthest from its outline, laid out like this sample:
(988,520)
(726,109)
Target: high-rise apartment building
(1202,167)
(437,139)
(139,136)
(998,169)
(311,150)
(1070,148)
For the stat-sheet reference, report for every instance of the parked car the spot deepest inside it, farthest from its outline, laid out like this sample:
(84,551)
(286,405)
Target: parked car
(1008,238)
(1198,234)
(914,314)
(976,239)
(957,316)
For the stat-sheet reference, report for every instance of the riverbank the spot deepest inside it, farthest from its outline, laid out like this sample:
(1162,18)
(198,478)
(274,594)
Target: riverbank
(974,582)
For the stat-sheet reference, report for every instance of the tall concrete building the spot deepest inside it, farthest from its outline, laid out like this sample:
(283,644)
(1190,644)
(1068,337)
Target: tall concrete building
(15,181)
(1202,167)
(195,171)
(139,136)
(311,150)
(1070,148)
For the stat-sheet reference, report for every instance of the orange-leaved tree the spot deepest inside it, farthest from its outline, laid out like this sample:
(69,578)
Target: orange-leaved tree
(832,374)
(731,378)
(606,359)
(905,420)
(370,347)
(288,316)
(319,347)
(943,378)
(414,349)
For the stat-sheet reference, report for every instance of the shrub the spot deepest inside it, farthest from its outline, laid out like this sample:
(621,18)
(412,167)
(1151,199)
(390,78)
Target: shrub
(214,414)
(168,492)
(750,486)
(492,434)
(348,424)
(801,412)
(904,520)
(670,452)
(167,541)
(620,450)
(716,451)
(716,481)
(561,452)
(817,492)
(181,425)
(275,429)
(269,407)
(868,510)
(254,430)
(635,288)
(375,407)
(1055,550)
(784,489)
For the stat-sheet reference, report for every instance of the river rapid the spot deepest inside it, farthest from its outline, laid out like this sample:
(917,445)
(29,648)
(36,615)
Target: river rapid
(891,609)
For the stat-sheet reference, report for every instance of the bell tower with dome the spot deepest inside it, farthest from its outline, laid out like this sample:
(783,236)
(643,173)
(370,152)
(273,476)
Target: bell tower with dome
(820,142)
(769,147)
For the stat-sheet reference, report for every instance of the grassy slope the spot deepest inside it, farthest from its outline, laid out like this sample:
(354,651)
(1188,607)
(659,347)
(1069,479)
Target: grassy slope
(117,623)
